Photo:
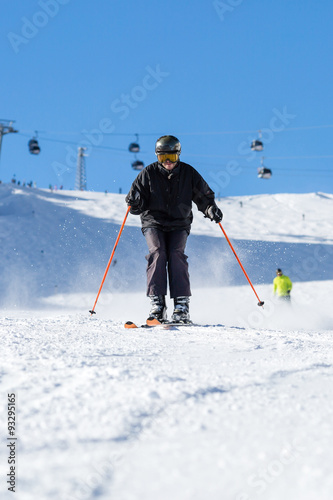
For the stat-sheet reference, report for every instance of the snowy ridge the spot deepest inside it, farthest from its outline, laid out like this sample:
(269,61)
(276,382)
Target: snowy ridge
(60,242)
(239,408)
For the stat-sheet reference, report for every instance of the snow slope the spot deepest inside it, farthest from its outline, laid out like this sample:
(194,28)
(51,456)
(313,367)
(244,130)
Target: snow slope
(237,408)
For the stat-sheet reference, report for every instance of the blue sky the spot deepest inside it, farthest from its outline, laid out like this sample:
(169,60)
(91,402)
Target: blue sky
(212,73)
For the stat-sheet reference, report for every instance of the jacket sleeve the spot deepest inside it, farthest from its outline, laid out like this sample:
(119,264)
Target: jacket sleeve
(138,195)
(202,194)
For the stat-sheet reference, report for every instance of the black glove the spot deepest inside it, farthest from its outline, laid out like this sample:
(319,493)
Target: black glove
(214,213)
(134,201)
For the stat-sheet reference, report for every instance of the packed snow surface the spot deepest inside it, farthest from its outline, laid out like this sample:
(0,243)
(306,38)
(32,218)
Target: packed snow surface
(237,407)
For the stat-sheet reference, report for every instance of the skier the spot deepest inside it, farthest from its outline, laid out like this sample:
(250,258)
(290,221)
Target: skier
(162,195)
(282,285)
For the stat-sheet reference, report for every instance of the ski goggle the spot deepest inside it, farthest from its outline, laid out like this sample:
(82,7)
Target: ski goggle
(173,157)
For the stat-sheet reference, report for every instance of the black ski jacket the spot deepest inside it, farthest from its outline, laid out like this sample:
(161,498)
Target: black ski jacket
(164,198)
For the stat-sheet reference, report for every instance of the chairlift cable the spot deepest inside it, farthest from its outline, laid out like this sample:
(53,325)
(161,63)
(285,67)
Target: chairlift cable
(128,134)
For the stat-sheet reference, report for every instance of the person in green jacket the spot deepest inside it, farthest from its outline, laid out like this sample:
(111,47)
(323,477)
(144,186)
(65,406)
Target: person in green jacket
(282,285)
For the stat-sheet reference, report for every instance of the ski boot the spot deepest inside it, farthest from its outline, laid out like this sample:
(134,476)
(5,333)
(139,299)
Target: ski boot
(158,309)
(181,312)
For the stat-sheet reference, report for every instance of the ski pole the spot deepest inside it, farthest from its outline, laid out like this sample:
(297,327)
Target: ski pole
(92,311)
(260,303)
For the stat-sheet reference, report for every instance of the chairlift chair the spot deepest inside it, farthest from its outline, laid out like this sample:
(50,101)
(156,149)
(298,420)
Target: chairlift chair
(138,165)
(134,146)
(264,172)
(257,145)
(34,146)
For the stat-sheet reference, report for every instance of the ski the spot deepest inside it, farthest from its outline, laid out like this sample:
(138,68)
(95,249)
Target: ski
(130,324)
(166,325)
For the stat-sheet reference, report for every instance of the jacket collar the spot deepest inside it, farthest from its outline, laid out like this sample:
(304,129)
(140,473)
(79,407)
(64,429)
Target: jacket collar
(172,173)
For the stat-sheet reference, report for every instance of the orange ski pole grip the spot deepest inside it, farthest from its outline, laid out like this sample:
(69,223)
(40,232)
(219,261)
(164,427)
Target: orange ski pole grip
(92,311)
(260,303)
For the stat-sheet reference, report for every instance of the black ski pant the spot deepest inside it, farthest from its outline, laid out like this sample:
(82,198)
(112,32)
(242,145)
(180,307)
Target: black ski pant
(166,258)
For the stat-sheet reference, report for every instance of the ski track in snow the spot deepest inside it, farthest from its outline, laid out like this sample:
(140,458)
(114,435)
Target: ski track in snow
(106,412)
(237,409)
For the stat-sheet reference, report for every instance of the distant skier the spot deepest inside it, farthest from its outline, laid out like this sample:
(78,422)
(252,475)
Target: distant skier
(282,285)
(162,194)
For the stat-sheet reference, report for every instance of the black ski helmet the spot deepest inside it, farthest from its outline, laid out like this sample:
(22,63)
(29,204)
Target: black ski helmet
(167,144)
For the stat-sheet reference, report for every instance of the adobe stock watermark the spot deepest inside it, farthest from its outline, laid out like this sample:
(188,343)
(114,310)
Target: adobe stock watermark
(31,27)
(105,469)
(138,93)
(121,106)
(264,476)
(222,8)
(100,472)
(278,122)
